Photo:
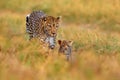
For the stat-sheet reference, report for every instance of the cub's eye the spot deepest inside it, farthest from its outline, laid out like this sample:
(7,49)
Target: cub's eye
(65,48)
(57,25)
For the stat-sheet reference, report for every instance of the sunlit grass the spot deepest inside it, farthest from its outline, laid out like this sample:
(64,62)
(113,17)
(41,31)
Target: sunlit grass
(91,47)
(93,26)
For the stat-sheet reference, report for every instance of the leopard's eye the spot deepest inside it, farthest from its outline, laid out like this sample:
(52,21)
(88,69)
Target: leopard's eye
(65,48)
(57,25)
(53,24)
(49,25)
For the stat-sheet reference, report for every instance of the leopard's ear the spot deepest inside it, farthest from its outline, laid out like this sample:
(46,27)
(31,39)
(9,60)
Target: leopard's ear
(58,18)
(70,43)
(44,19)
(59,42)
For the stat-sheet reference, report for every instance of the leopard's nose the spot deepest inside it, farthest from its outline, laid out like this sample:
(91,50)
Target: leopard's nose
(52,46)
(54,33)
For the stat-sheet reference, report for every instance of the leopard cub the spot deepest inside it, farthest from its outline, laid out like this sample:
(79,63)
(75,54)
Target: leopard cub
(65,47)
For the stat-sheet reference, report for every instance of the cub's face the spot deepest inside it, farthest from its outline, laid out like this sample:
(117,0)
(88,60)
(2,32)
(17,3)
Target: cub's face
(65,46)
(51,25)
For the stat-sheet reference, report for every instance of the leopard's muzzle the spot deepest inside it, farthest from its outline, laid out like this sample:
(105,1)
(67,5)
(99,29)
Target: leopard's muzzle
(51,41)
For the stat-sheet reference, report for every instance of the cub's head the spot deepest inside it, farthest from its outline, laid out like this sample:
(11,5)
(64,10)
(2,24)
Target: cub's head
(65,46)
(51,25)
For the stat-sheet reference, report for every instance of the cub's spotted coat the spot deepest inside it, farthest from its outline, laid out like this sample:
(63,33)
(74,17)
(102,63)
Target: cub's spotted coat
(65,47)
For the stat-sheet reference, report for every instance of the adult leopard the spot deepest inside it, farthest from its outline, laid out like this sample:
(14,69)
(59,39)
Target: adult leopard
(43,27)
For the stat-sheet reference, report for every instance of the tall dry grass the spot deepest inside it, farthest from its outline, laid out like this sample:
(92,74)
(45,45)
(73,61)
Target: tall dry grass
(92,25)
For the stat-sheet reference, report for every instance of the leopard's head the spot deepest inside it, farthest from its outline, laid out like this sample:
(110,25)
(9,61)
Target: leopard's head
(51,25)
(50,28)
(65,47)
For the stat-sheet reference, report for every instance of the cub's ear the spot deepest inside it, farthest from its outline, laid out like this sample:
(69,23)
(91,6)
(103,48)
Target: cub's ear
(58,18)
(44,19)
(70,43)
(59,42)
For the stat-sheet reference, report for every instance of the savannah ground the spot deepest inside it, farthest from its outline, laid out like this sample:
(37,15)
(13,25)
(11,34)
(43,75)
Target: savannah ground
(92,25)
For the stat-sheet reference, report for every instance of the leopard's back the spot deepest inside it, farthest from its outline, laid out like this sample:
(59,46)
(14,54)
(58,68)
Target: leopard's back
(34,23)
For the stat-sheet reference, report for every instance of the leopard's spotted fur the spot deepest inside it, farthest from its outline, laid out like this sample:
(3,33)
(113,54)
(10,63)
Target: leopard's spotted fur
(65,47)
(41,26)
